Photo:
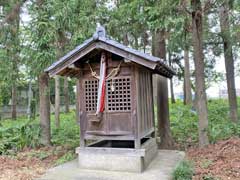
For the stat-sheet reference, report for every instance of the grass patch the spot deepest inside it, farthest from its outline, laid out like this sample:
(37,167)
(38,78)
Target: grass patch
(184,171)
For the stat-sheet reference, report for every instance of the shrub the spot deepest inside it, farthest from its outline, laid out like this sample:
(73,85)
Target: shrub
(184,122)
(184,171)
(68,134)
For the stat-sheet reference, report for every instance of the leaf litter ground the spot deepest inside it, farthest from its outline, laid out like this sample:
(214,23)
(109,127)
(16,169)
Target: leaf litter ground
(29,163)
(217,161)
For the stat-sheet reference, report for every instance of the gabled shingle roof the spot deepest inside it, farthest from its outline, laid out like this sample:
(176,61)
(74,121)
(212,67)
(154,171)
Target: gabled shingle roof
(100,41)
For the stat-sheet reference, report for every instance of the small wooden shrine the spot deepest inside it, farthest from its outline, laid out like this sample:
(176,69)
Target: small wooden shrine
(115,92)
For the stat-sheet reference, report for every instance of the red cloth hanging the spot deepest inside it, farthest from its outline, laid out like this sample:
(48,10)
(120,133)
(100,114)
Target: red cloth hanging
(102,84)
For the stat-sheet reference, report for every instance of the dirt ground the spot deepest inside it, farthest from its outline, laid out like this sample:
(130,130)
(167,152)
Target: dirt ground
(220,161)
(217,161)
(28,164)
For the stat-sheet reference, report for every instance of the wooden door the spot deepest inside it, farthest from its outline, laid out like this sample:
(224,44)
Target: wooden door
(118,106)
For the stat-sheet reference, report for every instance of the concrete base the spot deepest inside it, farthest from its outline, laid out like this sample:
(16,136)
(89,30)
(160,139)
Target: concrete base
(161,168)
(117,159)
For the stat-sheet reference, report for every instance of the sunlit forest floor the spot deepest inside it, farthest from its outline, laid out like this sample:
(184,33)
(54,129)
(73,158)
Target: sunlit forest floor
(23,158)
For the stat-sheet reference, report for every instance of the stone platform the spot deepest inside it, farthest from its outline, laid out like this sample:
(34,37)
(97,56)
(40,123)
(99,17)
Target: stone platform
(160,168)
(117,156)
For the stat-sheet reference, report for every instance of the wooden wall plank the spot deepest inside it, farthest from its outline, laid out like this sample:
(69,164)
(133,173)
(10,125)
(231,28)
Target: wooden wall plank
(137,142)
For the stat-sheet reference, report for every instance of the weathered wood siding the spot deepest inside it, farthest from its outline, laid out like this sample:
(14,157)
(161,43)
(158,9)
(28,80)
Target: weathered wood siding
(145,109)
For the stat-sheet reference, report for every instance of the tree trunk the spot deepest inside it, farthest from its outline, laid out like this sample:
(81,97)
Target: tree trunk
(171,82)
(187,80)
(162,96)
(44,109)
(66,95)
(29,99)
(173,101)
(184,92)
(136,46)
(57,101)
(201,98)
(14,55)
(14,100)
(77,101)
(125,39)
(229,62)
(60,44)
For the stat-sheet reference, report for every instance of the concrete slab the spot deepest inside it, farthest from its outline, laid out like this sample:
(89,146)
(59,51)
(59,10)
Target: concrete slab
(160,168)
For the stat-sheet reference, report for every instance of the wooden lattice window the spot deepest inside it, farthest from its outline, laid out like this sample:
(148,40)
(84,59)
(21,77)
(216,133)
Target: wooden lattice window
(91,89)
(119,94)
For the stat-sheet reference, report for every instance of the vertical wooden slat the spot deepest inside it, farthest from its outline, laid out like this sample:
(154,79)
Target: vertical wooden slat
(142,101)
(134,100)
(152,102)
(147,101)
(137,143)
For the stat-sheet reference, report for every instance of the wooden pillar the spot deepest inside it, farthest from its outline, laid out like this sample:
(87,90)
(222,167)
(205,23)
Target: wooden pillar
(80,113)
(137,113)
(44,109)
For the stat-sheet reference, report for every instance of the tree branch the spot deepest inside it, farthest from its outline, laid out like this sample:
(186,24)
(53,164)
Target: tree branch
(183,7)
(13,14)
(208,5)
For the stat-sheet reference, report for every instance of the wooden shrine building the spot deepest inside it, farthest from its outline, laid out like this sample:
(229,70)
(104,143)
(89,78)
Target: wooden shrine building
(115,91)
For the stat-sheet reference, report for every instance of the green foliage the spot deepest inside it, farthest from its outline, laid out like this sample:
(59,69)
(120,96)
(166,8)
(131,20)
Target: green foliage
(184,122)
(220,126)
(15,135)
(184,171)
(40,49)
(68,132)
(5,94)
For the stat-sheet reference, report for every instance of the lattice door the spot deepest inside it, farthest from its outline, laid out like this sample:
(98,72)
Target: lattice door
(91,88)
(119,94)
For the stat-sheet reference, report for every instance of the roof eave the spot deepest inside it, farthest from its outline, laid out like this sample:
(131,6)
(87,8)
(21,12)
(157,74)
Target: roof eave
(148,61)
(70,54)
